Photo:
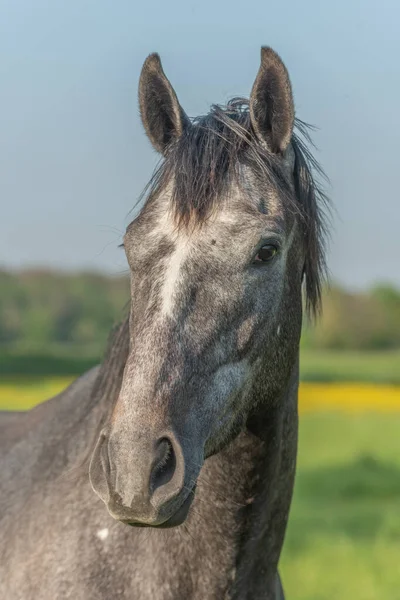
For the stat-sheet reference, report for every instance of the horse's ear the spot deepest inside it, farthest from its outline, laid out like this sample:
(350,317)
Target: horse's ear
(271,102)
(162,116)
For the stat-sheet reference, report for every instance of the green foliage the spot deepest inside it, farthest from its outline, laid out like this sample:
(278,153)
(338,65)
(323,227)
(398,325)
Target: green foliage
(357,321)
(40,308)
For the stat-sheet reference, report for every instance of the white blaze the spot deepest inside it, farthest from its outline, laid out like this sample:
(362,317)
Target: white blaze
(172,274)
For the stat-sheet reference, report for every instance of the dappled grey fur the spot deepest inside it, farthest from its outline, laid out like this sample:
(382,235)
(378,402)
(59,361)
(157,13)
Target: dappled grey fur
(206,361)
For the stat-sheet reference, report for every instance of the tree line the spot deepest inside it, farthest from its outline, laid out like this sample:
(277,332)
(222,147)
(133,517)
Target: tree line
(44,307)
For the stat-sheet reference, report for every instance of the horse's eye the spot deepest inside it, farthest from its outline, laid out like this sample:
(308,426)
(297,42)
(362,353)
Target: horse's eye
(266,253)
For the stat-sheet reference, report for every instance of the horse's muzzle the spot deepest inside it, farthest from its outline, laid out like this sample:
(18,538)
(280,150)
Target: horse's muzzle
(143,483)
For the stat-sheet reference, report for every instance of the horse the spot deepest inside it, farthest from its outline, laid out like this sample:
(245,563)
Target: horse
(166,473)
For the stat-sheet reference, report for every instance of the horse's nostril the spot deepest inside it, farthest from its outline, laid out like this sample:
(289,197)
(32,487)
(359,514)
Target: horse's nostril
(164,464)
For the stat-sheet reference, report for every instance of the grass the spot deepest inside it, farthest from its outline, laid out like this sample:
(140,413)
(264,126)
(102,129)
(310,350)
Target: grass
(344,365)
(315,365)
(58,360)
(24,392)
(343,539)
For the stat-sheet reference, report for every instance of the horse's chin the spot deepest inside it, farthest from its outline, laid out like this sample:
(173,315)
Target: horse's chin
(174,520)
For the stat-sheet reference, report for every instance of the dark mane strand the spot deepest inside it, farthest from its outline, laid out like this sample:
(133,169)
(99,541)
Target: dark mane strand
(315,205)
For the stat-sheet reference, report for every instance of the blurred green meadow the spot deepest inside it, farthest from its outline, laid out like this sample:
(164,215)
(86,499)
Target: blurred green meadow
(343,539)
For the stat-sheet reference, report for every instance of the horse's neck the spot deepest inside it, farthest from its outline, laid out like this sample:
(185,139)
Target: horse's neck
(244,494)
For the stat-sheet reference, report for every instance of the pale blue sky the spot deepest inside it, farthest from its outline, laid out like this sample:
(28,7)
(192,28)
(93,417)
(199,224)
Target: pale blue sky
(74,158)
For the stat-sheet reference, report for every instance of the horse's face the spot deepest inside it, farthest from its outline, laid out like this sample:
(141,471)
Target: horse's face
(215,312)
